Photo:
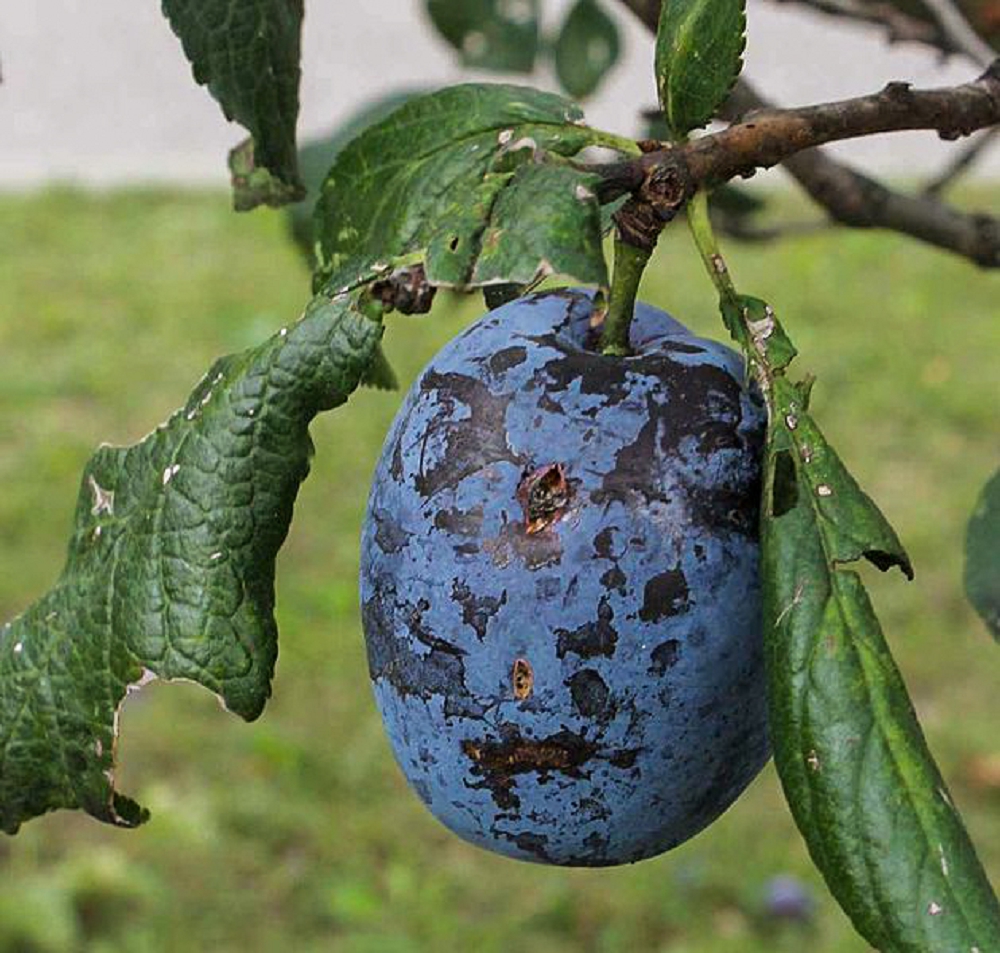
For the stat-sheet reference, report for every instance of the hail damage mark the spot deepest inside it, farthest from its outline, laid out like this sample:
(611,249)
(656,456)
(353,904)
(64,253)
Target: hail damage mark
(544,494)
(592,638)
(472,443)
(500,762)
(665,594)
(522,677)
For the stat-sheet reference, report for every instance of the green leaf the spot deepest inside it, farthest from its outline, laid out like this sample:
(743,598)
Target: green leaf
(860,780)
(170,572)
(545,221)
(247,53)
(317,155)
(982,556)
(699,54)
(500,35)
(431,179)
(587,47)
(380,374)
(857,773)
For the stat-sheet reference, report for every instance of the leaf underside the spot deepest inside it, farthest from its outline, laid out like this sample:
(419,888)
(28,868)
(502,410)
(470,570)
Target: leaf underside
(438,180)
(982,556)
(862,785)
(699,55)
(499,35)
(170,571)
(247,53)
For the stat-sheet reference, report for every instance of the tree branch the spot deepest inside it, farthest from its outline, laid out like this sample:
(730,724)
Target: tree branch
(903,27)
(848,196)
(965,158)
(957,31)
(854,199)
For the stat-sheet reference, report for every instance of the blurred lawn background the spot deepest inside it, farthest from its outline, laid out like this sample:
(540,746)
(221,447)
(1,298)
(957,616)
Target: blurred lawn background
(297,832)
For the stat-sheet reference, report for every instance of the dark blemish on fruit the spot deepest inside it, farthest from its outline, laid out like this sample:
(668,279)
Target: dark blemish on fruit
(476,610)
(550,406)
(460,522)
(624,759)
(389,535)
(529,842)
(509,357)
(614,578)
(602,543)
(664,595)
(438,671)
(471,443)
(589,692)
(592,638)
(499,763)
(664,657)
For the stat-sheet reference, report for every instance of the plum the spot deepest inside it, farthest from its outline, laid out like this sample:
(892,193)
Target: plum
(559,584)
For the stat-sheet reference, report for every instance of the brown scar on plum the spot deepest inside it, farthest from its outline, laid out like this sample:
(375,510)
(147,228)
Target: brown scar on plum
(544,494)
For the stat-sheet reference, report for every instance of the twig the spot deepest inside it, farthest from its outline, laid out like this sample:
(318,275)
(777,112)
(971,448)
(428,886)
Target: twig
(768,136)
(958,31)
(959,163)
(851,198)
(900,27)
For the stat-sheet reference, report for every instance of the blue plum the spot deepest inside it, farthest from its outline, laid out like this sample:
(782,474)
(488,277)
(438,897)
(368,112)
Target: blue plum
(559,585)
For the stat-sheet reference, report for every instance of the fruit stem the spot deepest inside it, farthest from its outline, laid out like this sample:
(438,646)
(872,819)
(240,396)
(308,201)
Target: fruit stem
(730,304)
(708,248)
(630,261)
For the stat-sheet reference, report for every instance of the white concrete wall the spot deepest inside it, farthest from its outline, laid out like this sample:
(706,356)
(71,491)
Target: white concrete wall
(100,92)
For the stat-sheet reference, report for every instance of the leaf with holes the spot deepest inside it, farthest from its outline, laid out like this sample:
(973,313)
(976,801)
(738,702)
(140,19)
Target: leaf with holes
(982,556)
(500,35)
(860,780)
(699,55)
(586,48)
(170,572)
(428,182)
(247,53)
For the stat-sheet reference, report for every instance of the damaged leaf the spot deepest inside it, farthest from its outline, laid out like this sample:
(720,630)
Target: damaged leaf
(861,782)
(439,179)
(247,53)
(170,571)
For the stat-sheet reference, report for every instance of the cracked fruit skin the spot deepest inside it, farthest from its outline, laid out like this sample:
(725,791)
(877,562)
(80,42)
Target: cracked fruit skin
(559,585)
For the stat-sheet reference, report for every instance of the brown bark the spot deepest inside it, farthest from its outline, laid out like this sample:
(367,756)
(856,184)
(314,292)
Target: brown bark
(767,136)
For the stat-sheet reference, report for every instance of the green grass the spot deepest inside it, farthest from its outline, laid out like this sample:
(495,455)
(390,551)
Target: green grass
(297,832)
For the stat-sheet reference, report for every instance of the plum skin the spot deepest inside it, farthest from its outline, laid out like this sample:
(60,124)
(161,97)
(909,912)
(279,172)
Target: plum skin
(559,585)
